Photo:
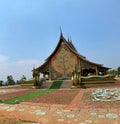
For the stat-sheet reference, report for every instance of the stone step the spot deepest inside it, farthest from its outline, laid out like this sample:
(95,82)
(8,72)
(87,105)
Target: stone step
(46,84)
(67,84)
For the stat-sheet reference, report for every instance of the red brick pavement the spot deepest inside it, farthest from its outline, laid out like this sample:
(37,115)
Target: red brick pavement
(76,101)
(71,114)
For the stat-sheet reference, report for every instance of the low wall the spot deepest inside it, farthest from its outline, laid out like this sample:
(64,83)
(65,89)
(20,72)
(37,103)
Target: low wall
(32,83)
(94,79)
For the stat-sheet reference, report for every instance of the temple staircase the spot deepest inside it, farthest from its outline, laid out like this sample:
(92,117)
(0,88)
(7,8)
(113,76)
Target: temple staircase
(46,84)
(67,84)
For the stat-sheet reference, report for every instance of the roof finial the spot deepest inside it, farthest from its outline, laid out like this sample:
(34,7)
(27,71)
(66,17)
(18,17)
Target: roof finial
(33,66)
(68,38)
(61,32)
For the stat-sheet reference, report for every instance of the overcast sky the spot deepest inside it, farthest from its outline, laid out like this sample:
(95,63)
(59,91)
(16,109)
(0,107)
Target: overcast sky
(30,30)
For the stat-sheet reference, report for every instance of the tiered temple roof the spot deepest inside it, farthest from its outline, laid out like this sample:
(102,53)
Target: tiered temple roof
(72,48)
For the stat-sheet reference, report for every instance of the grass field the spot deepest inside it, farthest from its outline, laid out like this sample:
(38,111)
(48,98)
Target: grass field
(56,85)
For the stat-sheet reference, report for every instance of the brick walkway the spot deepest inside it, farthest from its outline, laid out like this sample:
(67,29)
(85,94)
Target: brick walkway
(60,115)
(73,113)
(76,101)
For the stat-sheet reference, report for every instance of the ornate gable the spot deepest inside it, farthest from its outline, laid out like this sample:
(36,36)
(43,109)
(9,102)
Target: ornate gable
(63,60)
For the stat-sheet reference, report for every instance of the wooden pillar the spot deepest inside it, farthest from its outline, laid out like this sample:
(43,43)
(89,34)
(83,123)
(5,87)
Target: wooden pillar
(44,75)
(105,72)
(49,72)
(50,75)
(96,70)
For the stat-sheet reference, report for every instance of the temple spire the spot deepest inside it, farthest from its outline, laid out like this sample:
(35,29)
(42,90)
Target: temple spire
(68,38)
(61,35)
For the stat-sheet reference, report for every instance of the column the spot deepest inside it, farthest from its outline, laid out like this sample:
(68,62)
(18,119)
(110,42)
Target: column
(96,70)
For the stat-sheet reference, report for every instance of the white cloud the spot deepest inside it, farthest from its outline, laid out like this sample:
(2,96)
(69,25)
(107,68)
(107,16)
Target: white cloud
(25,66)
(3,58)
(18,68)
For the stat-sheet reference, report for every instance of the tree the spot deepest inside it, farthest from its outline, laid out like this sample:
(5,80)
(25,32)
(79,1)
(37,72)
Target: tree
(23,78)
(1,82)
(18,82)
(113,72)
(10,80)
(118,71)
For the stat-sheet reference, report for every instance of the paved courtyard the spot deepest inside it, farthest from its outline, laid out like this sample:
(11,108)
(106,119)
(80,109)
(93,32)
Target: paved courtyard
(77,112)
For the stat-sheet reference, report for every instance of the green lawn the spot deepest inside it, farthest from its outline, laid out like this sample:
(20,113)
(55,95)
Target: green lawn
(56,85)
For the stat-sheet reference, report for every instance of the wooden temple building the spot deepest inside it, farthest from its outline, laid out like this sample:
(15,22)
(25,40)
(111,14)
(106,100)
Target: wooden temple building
(65,59)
